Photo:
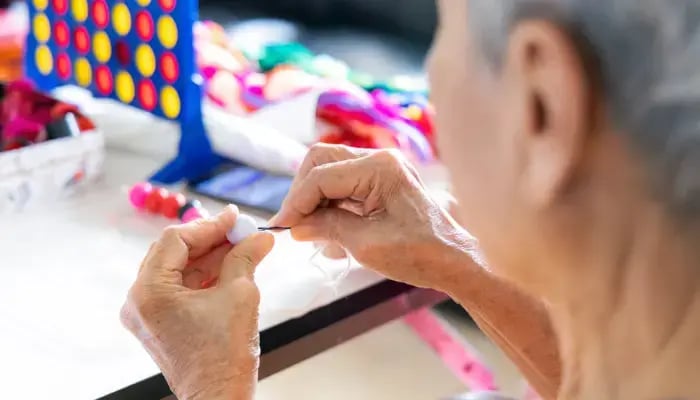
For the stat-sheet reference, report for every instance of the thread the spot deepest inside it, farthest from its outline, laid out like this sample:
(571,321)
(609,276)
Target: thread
(331,281)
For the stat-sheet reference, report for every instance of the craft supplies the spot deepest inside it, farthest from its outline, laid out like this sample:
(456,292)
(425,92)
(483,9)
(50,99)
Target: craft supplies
(29,117)
(158,200)
(47,148)
(245,226)
(353,108)
(274,228)
(192,210)
(65,126)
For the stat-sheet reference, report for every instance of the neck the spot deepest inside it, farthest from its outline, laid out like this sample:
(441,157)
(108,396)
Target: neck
(630,307)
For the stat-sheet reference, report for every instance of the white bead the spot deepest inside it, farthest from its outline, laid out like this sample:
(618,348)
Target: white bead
(245,226)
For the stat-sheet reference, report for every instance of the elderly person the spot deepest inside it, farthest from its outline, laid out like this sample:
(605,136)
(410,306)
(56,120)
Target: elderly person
(571,129)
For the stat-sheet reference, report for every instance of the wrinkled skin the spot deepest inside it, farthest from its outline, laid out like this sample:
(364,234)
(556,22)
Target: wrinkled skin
(377,208)
(204,340)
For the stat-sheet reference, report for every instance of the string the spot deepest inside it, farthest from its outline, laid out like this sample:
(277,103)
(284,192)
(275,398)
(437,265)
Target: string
(331,282)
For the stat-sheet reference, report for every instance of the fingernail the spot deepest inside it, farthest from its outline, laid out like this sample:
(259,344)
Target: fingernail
(231,208)
(229,213)
(272,221)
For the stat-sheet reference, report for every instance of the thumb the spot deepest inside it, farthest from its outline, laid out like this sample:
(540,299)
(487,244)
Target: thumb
(242,260)
(331,224)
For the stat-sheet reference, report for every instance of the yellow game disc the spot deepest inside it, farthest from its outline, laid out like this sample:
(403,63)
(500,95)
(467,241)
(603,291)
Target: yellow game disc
(167,31)
(143,3)
(83,72)
(145,60)
(42,28)
(121,19)
(125,87)
(43,59)
(80,10)
(41,4)
(102,47)
(170,102)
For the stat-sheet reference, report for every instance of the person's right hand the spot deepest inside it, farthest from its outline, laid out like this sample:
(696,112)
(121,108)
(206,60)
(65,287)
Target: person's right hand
(373,204)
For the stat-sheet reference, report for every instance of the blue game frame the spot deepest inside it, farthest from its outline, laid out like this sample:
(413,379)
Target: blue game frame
(195,155)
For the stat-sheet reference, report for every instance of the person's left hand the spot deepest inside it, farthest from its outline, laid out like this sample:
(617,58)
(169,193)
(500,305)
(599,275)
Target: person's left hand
(194,307)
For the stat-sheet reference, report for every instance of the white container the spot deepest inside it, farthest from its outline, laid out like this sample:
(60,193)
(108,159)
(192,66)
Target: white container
(41,174)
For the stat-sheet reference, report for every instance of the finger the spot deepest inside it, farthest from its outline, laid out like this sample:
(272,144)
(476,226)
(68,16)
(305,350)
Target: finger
(202,235)
(332,225)
(242,260)
(349,179)
(146,258)
(170,255)
(205,268)
(321,154)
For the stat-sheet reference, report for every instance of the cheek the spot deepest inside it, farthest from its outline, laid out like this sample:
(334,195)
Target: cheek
(467,122)
(467,132)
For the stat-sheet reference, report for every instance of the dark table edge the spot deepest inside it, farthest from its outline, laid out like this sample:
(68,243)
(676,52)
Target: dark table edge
(298,339)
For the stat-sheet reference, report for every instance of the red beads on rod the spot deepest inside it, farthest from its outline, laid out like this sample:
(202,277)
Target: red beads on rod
(155,200)
(171,205)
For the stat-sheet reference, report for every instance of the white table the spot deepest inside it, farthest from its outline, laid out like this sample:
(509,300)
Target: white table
(67,267)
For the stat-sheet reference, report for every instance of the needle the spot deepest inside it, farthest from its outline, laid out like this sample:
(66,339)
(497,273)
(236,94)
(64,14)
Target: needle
(274,228)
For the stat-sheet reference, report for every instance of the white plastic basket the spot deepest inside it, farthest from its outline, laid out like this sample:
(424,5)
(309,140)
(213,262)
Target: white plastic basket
(42,173)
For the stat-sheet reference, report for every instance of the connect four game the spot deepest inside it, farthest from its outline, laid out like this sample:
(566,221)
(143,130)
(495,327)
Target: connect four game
(138,52)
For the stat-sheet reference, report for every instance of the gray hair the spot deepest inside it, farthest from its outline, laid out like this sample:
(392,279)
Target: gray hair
(646,58)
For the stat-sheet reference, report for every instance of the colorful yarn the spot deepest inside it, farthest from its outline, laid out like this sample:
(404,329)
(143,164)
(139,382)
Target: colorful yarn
(25,114)
(357,110)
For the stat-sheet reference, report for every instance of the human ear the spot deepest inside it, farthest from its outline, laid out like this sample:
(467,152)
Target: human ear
(555,96)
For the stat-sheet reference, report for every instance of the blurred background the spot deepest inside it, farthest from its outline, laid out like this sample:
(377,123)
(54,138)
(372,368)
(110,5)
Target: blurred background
(383,38)
(380,37)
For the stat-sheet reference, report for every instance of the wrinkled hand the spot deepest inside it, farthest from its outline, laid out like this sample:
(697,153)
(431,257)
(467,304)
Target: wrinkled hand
(373,204)
(194,307)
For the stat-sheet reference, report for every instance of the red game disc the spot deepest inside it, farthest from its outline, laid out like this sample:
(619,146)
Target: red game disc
(63,66)
(123,53)
(104,80)
(60,6)
(169,67)
(81,38)
(167,5)
(144,26)
(147,95)
(100,13)
(61,33)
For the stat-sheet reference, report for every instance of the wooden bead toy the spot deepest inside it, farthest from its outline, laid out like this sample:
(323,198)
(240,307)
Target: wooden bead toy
(172,204)
(154,200)
(157,200)
(138,194)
